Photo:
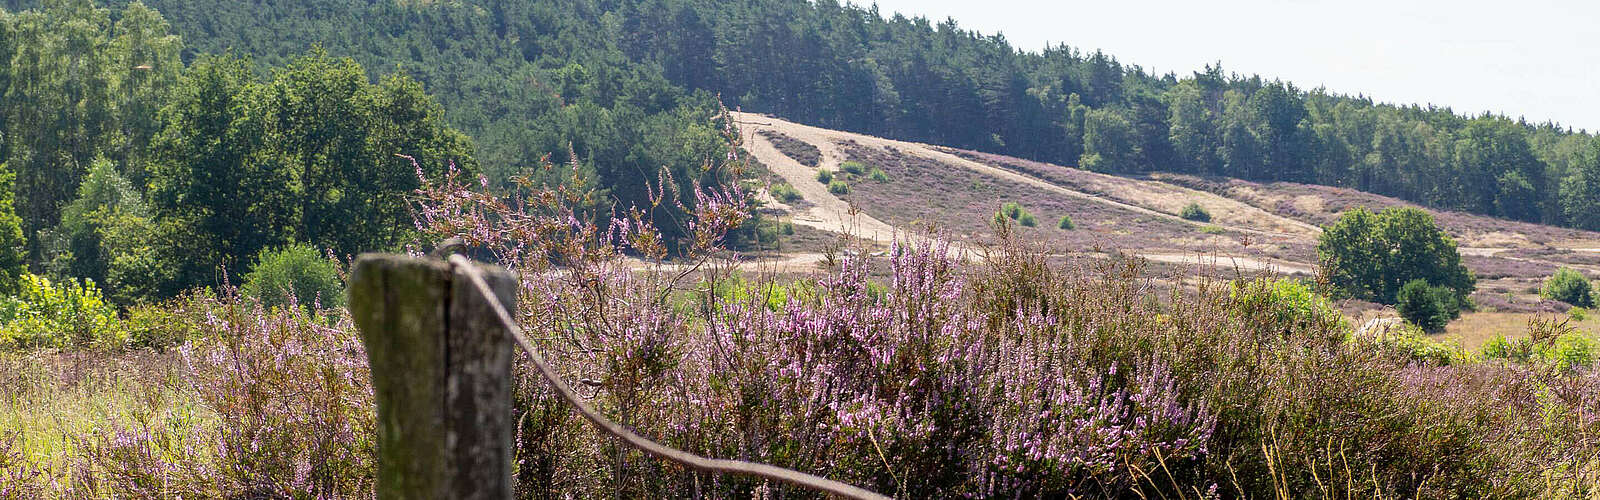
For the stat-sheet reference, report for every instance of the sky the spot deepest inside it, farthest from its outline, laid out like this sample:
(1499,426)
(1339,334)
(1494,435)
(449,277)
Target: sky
(1537,59)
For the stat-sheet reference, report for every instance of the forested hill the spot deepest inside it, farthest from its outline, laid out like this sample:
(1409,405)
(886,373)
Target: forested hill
(523,76)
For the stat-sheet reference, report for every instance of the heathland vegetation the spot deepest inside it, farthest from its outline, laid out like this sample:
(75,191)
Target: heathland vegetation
(178,213)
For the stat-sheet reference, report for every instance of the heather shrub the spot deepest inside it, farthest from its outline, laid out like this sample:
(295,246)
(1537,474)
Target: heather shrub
(1195,212)
(1570,286)
(295,273)
(49,314)
(292,397)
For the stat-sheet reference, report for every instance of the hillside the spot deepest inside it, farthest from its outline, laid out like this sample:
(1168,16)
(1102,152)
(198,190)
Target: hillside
(1254,226)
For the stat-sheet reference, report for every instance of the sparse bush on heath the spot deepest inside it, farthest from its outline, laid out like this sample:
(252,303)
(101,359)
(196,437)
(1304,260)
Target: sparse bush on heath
(1065,223)
(1570,286)
(1195,212)
(784,192)
(878,175)
(825,176)
(853,167)
(839,187)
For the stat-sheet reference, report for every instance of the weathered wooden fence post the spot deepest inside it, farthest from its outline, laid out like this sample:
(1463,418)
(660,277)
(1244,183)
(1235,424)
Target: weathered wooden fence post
(441,376)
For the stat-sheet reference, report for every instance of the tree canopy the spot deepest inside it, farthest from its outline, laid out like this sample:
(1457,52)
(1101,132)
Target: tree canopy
(1371,256)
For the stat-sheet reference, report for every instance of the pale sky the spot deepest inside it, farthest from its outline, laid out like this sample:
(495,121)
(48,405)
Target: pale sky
(1538,59)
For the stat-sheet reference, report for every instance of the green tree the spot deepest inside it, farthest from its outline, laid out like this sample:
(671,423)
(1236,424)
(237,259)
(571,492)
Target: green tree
(316,154)
(1108,143)
(1580,190)
(1371,256)
(1192,130)
(1423,305)
(13,247)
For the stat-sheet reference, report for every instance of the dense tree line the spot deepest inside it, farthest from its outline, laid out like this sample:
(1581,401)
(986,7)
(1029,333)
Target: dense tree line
(149,176)
(151,166)
(610,76)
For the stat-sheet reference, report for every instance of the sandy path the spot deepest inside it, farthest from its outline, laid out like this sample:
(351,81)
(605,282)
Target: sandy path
(1241,263)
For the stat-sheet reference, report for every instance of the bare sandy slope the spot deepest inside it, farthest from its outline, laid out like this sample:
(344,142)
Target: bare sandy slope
(1156,198)
(829,212)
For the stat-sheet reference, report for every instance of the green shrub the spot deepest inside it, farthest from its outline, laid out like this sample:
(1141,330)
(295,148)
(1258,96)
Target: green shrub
(1570,286)
(825,176)
(1290,306)
(1426,306)
(1012,210)
(1065,224)
(46,314)
(853,167)
(1195,212)
(1414,345)
(787,228)
(1027,220)
(168,324)
(1567,351)
(785,193)
(297,271)
(1570,351)
(839,188)
(767,234)
(878,175)
(1212,230)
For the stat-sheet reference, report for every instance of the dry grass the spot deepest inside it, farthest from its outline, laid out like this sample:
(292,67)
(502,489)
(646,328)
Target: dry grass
(1473,329)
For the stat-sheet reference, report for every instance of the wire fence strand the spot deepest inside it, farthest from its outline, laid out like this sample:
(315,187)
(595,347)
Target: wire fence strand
(690,460)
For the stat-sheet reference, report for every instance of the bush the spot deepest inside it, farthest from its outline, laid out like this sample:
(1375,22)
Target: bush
(787,228)
(296,272)
(1291,306)
(853,167)
(825,176)
(785,193)
(1012,210)
(168,324)
(878,175)
(1570,286)
(1065,223)
(1027,220)
(839,187)
(1212,230)
(1371,256)
(1428,307)
(46,314)
(1195,212)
